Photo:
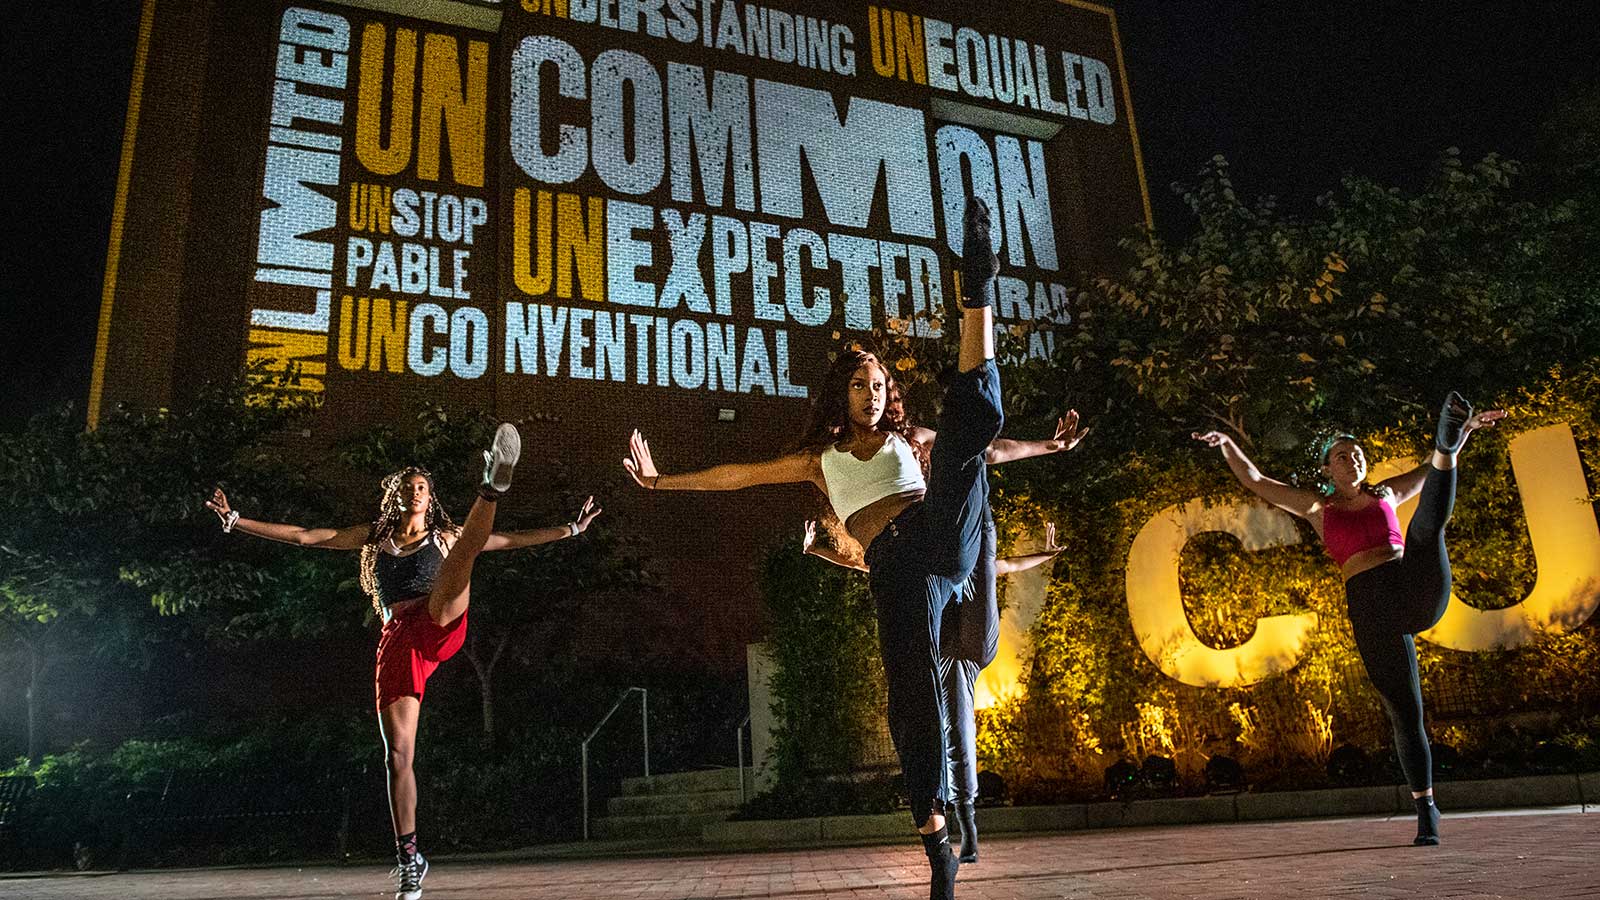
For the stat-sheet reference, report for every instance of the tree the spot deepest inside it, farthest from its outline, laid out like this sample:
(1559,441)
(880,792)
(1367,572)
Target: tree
(93,545)
(1371,308)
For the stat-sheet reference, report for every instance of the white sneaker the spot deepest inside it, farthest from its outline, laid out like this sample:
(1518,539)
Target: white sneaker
(410,874)
(501,458)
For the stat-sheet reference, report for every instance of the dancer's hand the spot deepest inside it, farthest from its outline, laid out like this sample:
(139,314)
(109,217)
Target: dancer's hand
(219,504)
(639,464)
(1486,419)
(1212,438)
(587,514)
(809,536)
(1068,433)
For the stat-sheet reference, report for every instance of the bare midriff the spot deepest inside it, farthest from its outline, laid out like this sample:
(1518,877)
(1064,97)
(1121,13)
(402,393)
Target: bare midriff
(400,606)
(1370,558)
(869,521)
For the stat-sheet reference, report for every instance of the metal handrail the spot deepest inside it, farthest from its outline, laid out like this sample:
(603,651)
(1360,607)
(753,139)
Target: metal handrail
(644,718)
(738,743)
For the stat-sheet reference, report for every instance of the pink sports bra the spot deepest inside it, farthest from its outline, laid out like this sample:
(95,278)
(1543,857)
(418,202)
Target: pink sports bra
(1346,532)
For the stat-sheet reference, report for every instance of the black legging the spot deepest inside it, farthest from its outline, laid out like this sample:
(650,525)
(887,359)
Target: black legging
(918,563)
(1396,600)
(969,641)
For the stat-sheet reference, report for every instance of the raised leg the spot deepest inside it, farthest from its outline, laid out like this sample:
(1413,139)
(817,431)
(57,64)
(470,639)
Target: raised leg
(1426,564)
(452,588)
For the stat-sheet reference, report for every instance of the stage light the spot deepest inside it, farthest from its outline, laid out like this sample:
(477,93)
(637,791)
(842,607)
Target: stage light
(1552,757)
(1120,776)
(991,788)
(1224,775)
(1445,758)
(1349,764)
(1159,773)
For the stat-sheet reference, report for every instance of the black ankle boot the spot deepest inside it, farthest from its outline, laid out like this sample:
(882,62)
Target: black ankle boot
(1427,821)
(979,265)
(942,880)
(967,817)
(1452,432)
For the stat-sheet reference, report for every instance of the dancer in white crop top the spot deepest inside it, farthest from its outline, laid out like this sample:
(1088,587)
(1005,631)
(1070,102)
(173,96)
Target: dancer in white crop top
(922,533)
(860,452)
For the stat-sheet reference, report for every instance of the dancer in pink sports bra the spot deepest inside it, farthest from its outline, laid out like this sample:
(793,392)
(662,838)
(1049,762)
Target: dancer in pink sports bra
(1395,586)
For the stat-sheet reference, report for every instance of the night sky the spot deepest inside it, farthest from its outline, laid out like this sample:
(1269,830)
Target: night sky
(1294,93)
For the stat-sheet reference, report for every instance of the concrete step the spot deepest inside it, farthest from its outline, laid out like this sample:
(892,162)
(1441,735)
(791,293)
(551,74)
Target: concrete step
(671,804)
(688,826)
(724,779)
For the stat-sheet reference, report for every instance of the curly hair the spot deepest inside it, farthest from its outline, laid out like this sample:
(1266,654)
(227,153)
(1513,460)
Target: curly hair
(830,419)
(830,413)
(388,519)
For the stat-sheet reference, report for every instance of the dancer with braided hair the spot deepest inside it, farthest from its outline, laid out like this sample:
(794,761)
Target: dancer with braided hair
(416,565)
(1394,586)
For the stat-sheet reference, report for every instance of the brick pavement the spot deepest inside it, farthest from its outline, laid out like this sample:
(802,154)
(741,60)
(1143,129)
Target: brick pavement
(1533,855)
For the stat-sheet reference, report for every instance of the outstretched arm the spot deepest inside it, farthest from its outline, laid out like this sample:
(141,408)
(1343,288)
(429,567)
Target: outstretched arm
(1068,434)
(802,467)
(348,538)
(1021,563)
(1287,497)
(515,540)
(808,544)
(1004,450)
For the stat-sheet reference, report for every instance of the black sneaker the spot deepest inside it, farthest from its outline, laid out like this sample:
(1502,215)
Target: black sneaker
(500,459)
(1427,822)
(410,871)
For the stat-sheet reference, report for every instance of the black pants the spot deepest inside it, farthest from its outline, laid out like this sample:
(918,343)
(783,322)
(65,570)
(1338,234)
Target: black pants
(918,564)
(971,633)
(1396,600)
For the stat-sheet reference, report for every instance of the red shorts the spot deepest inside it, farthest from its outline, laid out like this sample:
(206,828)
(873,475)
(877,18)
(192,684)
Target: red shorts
(411,647)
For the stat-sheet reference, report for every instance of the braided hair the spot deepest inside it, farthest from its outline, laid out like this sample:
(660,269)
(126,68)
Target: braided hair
(389,516)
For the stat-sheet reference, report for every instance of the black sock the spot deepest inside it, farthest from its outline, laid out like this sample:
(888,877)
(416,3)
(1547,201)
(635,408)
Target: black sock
(979,265)
(1427,820)
(969,831)
(1451,431)
(942,884)
(405,846)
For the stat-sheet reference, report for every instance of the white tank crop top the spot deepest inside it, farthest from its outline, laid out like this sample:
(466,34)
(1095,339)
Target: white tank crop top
(854,484)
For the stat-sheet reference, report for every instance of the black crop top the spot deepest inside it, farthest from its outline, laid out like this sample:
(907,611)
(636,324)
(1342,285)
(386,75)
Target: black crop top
(404,576)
